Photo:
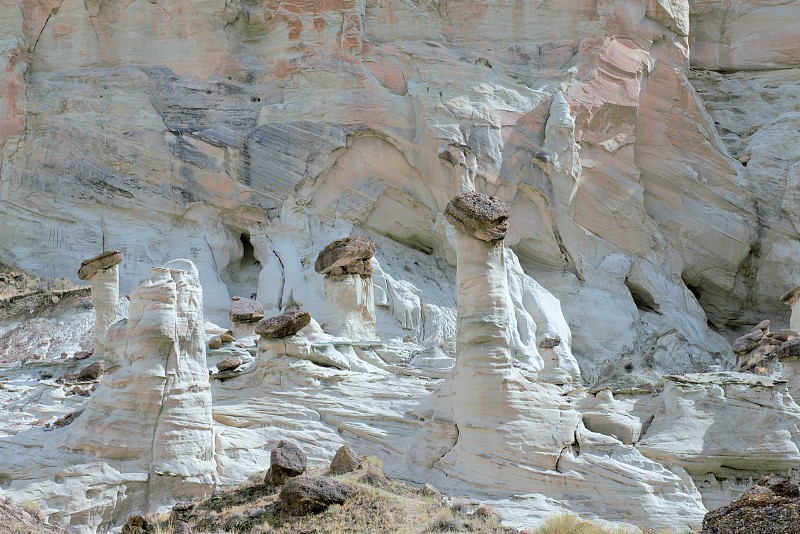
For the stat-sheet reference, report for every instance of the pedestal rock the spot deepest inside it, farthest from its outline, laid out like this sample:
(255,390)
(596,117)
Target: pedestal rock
(153,408)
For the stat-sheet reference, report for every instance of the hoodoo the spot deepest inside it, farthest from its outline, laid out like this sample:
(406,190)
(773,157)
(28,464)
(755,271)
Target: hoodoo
(152,412)
(102,271)
(345,263)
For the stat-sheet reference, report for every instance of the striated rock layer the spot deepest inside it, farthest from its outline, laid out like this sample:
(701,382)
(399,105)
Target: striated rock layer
(265,132)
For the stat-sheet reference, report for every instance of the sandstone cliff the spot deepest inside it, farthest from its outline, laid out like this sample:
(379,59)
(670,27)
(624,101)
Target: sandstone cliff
(645,152)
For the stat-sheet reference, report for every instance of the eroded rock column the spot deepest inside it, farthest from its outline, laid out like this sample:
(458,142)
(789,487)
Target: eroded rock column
(102,271)
(153,409)
(483,338)
(347,268)
(499,414)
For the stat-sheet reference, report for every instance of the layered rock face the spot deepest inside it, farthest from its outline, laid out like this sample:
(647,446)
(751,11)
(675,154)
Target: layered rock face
(256,138)
(649,170)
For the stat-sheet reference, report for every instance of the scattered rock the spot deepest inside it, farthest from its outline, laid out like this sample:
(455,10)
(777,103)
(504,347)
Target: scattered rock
(82,355)
(245,310)
(478,215)
(138,524)
(344,461)
(350,255)
(785,334)
(286,461)
(66,420)
(747,342)
(102,261)
(215,342)
(283,325)
(771,506)
(91,371)
(228,364)
(311,494)
(24,520)
(790,349)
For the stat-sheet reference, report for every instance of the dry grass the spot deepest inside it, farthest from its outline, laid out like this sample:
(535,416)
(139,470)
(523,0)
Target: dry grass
(570,524)
(379,505)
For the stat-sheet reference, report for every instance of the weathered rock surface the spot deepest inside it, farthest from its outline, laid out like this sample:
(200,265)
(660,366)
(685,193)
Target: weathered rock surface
(286,461)
(283,325)
(103,273)
(692,428)
(350,255)
(480,424)
(771,506)
(312,494)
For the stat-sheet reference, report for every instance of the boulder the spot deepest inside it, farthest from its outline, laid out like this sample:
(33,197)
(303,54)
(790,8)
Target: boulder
(138,524)
(350,255)
(747,342)
(105,260)
(283,325)
(82,355)
(762,327)
(215,342)
(182,527)
(228,364)
(478,215)
(344,461)
(227,337)
(771,506)
(66,419)
(785,334)
(311,494)
(790,349)
(91,371)
(286,461)
(246,310)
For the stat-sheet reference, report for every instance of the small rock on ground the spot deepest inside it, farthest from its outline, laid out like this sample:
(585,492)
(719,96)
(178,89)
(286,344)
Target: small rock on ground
(286,461)
(344,461)
(311,494)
